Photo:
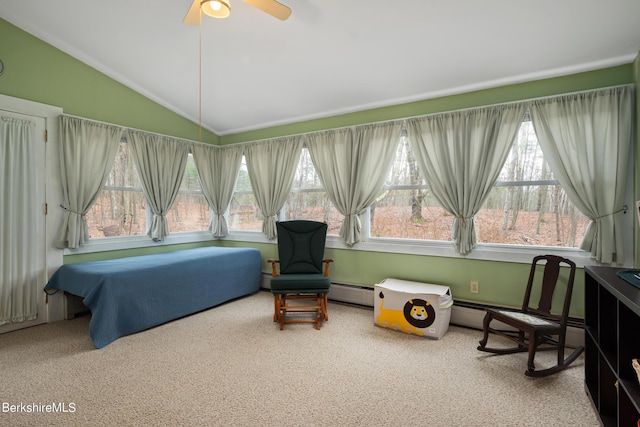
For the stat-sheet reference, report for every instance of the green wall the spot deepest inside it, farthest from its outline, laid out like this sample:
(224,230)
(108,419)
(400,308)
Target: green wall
(41,73)
(496,279)
(36,71)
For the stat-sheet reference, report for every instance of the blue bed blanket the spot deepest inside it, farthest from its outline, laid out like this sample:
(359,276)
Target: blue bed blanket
(132,294)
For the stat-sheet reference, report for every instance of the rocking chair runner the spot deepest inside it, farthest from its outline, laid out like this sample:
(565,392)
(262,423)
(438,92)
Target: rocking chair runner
(537,326)
(300,251)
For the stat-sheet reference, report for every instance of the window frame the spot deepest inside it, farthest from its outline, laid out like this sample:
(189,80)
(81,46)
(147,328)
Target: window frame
(306,157)
(482,251)
(102,244)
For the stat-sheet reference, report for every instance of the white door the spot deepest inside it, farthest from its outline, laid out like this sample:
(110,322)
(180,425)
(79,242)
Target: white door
(26,242)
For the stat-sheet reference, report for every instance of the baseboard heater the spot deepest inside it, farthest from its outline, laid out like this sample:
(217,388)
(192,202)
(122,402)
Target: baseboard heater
(463,313)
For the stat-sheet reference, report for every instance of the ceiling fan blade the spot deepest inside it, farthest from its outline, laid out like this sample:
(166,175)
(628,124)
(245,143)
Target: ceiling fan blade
(193,15)
(272,7)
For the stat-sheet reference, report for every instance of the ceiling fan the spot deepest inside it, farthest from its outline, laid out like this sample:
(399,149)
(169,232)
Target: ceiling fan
(222,9)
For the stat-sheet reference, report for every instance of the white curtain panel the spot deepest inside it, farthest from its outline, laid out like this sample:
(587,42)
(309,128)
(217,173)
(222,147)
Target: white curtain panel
(461,154)
(218,172)
(87,152)
(272,165)
(586,139)
(19,240)
(353,165)
(160,161)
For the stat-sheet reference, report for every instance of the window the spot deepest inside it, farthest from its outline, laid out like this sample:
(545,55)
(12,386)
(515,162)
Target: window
(527,206)
(405,208)
(244,214)
(526,210)
(190,211)
(308,200)
(121,207)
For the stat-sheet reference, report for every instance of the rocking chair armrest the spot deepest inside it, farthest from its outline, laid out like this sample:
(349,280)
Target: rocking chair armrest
(273,262)
(326,266)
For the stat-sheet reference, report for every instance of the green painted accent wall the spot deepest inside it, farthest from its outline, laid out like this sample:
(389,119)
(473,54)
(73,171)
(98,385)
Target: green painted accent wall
(501,283)
(36,71)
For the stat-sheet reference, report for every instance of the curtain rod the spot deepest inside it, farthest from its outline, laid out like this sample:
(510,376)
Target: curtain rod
(362,124)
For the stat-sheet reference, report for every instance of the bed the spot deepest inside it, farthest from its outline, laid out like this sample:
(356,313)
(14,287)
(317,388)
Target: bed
(132,294)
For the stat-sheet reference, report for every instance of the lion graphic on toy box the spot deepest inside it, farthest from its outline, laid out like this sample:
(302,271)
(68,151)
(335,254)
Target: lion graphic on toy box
(417,313)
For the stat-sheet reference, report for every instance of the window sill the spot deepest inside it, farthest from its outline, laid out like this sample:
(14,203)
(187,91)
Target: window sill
(133,242)
(484,251)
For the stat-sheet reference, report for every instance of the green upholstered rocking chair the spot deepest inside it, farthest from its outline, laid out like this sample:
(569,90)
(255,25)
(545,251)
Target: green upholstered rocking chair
(302,285)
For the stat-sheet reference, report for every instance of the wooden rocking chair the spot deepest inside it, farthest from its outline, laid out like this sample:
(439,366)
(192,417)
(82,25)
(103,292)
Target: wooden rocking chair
(537,326)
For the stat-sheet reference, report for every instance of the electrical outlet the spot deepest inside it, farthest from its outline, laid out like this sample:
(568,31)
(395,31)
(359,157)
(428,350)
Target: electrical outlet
(475,287)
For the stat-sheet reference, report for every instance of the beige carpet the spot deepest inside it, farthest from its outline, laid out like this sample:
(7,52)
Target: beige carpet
(232,366)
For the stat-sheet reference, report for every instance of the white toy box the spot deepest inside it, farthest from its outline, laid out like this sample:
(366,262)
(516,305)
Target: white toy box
(412,307)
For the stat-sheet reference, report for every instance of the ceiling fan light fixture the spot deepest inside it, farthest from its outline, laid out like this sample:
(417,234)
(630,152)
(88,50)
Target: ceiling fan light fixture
(215,8)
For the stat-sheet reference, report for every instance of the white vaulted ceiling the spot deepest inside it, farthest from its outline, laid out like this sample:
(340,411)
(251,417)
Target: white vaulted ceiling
(331,56)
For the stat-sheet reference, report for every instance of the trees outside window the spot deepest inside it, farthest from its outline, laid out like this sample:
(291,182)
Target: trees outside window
(308,200)
(121,207)
(190,211)
(527,206)
(405,209)
(243,212)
